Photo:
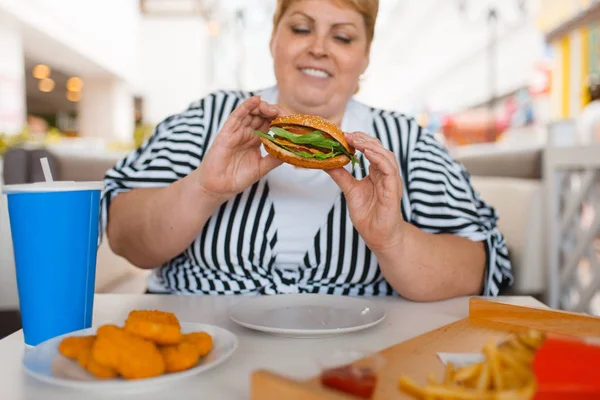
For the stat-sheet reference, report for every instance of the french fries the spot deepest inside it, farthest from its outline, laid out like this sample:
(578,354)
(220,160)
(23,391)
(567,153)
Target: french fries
(505,374)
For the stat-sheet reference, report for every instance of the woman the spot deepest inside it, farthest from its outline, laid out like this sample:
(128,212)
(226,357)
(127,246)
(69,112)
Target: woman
(205,206)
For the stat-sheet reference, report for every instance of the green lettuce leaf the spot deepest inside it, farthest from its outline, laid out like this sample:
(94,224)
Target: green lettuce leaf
(296,152)
(315,139)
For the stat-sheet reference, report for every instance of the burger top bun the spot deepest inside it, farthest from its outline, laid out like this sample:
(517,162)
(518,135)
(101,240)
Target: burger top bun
(317,123)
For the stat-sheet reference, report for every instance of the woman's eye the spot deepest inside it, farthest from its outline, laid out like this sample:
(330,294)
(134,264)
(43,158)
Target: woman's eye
(300,30)
(343,39)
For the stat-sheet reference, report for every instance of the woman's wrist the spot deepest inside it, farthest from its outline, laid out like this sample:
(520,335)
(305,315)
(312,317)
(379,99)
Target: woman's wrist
(197,199)
(392,250)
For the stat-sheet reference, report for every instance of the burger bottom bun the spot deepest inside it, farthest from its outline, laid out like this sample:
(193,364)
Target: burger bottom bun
(311,163)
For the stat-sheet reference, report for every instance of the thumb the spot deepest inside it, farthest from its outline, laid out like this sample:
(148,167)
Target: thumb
(267,164)
(343,178)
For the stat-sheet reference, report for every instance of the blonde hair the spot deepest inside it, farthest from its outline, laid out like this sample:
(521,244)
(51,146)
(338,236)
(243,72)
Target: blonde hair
(367,8)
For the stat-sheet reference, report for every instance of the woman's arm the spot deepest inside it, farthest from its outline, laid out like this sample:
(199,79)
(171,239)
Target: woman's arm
(449,246)
(150,226)
(427,267)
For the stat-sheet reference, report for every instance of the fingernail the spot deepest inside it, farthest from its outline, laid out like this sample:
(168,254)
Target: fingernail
(358,139)
(350,135)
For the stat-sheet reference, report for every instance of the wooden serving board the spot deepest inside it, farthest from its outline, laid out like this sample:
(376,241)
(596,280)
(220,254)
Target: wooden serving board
(417,357)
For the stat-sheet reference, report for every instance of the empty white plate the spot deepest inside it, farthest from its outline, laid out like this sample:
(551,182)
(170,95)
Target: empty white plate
(306,315)
(45,363)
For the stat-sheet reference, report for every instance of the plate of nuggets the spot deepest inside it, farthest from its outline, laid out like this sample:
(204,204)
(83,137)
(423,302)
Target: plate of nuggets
(151,347)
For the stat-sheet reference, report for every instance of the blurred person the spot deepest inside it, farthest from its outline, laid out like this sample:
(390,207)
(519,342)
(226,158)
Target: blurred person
(203,205)
(588,124)
(38,126)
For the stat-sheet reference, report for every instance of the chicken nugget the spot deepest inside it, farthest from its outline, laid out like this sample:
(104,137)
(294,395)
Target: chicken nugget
(106,347)
(202,341)
(72,346)
(180,357)
(86,360)
(141,360)
(132,356)
(158,326)
(155,315)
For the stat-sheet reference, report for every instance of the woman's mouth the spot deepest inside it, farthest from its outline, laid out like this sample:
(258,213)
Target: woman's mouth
(316,73)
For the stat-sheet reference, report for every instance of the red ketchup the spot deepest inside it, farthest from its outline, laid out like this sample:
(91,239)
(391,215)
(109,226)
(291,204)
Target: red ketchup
(349,379)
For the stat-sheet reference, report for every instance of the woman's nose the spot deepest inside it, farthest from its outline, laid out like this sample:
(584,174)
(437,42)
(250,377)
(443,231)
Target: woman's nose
(318,47)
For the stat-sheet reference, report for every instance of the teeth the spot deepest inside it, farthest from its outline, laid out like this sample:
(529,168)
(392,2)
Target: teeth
(315,72)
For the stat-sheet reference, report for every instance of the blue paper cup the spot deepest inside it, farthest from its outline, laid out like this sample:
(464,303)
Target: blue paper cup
(54,228)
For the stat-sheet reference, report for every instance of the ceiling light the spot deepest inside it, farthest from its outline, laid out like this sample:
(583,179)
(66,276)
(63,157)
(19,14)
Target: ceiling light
(74,96)
(46,85)
(74,84)
(41,71)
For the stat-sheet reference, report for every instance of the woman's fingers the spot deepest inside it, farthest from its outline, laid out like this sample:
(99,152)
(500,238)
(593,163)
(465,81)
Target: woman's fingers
(384,170)
(251,114)
(259,124)
(268,163)
(266,110)
(363,142)
(343,178)
(247,120)
(248,110)
(381,161)
(244,109)
(359,139)
(385,175)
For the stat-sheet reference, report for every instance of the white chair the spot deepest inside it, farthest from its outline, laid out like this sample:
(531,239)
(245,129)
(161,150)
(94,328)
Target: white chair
(520,206)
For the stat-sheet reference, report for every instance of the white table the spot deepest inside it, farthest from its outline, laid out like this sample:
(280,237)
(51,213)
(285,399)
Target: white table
(230,380)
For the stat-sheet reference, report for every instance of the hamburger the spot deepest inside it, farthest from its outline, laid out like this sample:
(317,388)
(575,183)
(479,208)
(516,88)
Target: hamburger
(307,141)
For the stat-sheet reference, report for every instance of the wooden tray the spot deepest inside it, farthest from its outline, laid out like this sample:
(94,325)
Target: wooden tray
(417,357)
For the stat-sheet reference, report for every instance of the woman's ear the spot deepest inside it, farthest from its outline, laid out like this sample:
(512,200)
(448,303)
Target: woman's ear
(272,42)
(366,62)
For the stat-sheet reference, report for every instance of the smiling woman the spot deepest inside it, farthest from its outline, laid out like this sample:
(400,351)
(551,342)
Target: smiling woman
(205,206)
(320,49)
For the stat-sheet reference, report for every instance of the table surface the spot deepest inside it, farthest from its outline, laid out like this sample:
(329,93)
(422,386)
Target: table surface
(256,350)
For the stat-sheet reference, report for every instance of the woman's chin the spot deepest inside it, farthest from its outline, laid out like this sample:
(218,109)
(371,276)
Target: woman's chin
(310,98)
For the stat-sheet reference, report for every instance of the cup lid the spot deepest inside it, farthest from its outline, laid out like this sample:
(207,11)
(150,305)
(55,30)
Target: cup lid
(56,186)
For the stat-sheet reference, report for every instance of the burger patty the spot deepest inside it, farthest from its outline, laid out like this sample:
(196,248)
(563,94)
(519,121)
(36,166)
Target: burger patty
(298,147)
(303,130)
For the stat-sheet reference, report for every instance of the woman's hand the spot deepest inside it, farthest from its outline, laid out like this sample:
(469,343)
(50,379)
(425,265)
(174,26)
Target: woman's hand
(374,201)
(234,161)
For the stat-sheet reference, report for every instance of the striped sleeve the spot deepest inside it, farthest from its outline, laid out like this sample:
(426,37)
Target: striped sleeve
(173,151)
(443,201)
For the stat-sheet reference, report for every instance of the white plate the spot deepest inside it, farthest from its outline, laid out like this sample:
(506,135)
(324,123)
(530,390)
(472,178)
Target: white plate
(306,315)
(45,363)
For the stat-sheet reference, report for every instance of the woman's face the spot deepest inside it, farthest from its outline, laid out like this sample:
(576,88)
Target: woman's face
(320,50)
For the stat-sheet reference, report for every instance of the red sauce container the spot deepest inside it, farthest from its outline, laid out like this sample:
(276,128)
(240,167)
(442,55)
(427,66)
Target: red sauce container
(567,369)
(351,371)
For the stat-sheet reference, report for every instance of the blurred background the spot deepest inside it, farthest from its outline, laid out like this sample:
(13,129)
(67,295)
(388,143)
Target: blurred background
(510,87)
(99,70)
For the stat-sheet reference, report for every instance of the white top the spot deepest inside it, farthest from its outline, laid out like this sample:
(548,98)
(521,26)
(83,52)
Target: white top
(314,190)
(231,380)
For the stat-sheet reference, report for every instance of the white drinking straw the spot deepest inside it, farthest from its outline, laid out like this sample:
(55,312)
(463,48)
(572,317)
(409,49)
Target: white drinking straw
(46,169)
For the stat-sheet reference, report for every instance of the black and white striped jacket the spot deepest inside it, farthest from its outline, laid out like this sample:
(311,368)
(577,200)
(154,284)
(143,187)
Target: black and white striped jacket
(234,253)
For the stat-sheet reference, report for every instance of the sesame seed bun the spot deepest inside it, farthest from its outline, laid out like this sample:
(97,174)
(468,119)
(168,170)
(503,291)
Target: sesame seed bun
(314,122)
